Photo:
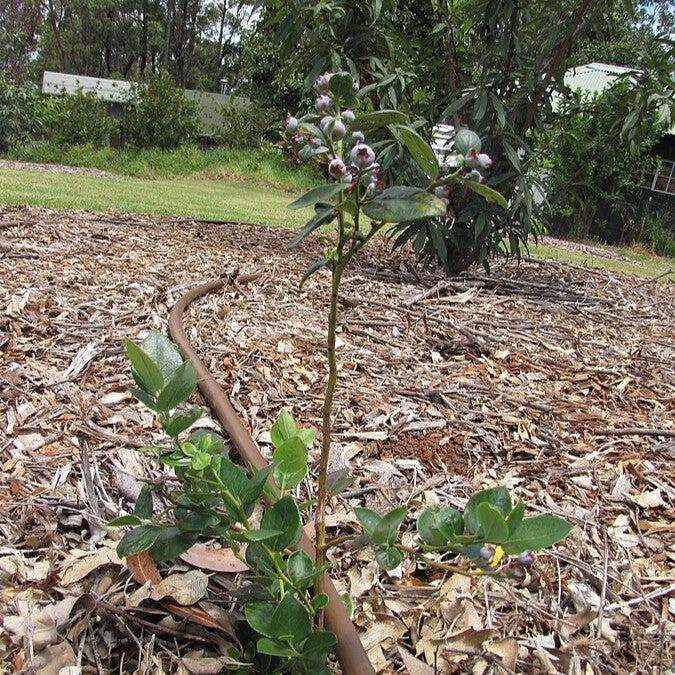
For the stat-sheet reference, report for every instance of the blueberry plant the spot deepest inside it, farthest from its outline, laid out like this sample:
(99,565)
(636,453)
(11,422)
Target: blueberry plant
(216,499)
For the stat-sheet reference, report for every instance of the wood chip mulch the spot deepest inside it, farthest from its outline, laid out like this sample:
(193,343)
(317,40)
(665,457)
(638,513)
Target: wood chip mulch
(555,380)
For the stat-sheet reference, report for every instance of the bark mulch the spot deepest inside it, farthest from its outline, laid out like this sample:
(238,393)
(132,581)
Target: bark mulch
(555,380)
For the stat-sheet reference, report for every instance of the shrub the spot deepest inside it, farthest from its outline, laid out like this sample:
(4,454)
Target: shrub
(20,112)
(162,116)
(78,119)
(246,127)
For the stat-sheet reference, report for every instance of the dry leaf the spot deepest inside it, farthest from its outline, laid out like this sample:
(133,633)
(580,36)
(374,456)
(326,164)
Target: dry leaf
(185,589)
(80,563)
(413,665)
(213,559)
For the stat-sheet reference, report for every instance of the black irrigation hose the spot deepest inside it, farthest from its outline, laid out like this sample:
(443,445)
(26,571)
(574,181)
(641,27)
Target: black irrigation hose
(349,650)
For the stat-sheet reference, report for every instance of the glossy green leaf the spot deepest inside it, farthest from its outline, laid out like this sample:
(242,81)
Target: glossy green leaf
(163,352)
(299,566)
(379,118)
(321,217)
(514,518)
(254,486)
(486,192)
(388,558)
(146,399)
(179,387)
(322,193)
(275,648)
(436,525)
(291,621)
(290,463)
(283,428)
(137,540)
(402,204)
(145,371)
(319,601)
(340,85)
(283,516)
(143,506)
(314,267)
(498,497)
(171,542)
(125,520)
(316,646)
(197,521)
(259,617)
(368,518)
(182,420)
(261,535)
(420,150)
(386,530)
(492,524)
(537,533)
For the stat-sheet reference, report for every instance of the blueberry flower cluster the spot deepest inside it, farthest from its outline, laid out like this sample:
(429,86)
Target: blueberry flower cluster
(349,158)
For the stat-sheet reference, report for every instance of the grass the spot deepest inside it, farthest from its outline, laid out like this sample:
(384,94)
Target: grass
(258,166)
(235,200)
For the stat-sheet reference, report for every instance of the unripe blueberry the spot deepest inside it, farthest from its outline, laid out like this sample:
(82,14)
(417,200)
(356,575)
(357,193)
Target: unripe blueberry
(358,137)
(348,178)
(323,103)
(291,123)
(348,116)
(324,121)
(484,161)
(362,156)
(526,558)
(339,130)
(487,551)
(337,168)
(322,82)
(475,175)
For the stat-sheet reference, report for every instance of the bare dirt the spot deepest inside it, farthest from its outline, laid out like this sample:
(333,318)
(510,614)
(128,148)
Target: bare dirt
(556,381)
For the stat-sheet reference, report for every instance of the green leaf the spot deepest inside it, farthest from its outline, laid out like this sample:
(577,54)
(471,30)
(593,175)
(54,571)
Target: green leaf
(179,387)
(299,566)
(125,520)
(436,525)
(208,441)
(147,400)
(401,204)
(143,506)
(338,481)
(306,153)
(182,420)
(137,540)
(314,267)
(321,217)
(388,558)
(291,620)
(254,486)
(283,516)
(367,517)
(275,648)
(514,518)
(171,542)
(163,352)
(486,192)
(420,150)
(498,497)
(290,463)
(259,559)
(386,530)
(379,118)
(537,533)
(319,601)
(346,601)
(197,521)
(259,617)
(283,428)
(322,193)
(317,644)
(492,524)
(144,370)
(340,85)
(260,535)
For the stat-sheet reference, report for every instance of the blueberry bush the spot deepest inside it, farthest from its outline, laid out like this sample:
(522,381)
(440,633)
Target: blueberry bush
(282,626)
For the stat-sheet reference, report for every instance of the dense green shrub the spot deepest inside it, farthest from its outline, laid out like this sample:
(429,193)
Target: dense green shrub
(246,127)
(162,116)
(20,112)
(78,119)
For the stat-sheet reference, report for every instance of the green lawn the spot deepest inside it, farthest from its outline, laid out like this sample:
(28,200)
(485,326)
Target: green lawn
(232,200)
(195,198)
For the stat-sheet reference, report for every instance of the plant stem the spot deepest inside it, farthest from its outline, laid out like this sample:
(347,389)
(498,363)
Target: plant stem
(322,496)
(416,553)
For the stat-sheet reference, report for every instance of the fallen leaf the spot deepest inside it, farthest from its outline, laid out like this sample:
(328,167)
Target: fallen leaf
(80,563)
(413,665)
(55,659)
(213,559)
(185,589)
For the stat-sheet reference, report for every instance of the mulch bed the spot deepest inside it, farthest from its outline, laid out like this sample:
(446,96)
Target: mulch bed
(555,380)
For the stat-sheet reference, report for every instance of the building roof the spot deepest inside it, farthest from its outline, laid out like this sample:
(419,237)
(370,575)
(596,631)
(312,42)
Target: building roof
(594,78)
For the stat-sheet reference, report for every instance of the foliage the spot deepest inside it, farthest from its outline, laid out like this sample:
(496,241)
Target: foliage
(20,112)
(246,128)
(78,119)
(161,116)
(589,162)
